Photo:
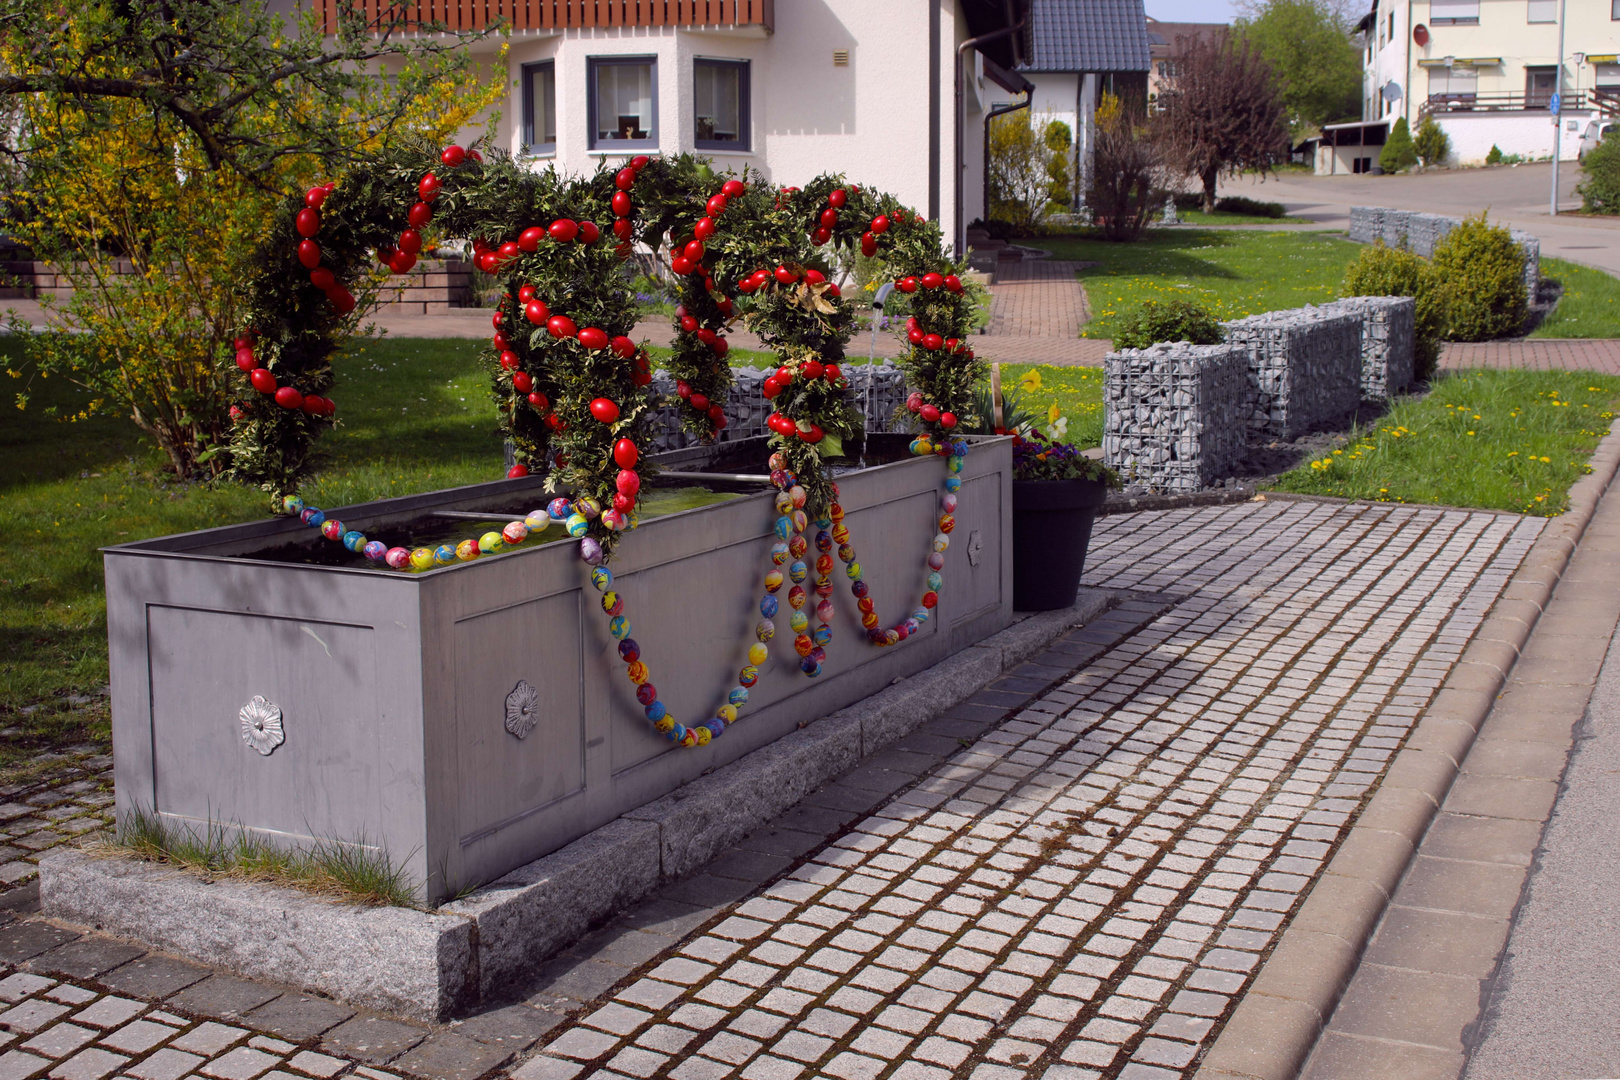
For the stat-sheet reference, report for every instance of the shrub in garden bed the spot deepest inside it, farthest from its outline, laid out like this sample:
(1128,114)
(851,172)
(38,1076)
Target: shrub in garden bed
(1386,271)
(1154,321)
(1481,268)
(1599,188)
(1240,204)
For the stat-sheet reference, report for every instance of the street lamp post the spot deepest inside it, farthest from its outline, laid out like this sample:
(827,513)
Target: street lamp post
(1557,108)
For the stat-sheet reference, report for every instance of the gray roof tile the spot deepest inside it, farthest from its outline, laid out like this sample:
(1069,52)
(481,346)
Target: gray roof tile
(1087,35)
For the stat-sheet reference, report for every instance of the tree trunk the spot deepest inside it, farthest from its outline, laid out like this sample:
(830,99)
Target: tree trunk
(1209,190)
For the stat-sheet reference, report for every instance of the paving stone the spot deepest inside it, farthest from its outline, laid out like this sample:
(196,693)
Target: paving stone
(372,1039)
(223,996)
(15,987)
(321,1066)
(16,1065)
(32,1015)
(153,976)
(548,1068)
(109,1012)
(68,994)
(449,1056)
(60,1040)
(512,1029)
(86,958)
(208,1038)
(137,1037)
(90,1064)
(298,1017)
(28,938)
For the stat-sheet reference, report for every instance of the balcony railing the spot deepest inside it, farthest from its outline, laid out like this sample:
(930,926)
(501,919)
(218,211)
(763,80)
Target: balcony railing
(558,14)
(1507,101)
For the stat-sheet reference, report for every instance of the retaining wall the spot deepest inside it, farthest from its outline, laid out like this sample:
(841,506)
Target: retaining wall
(1388,335)
(1304,368)
(1175,416)
(1422,233)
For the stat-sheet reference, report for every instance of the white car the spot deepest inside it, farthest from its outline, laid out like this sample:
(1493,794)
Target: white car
(1596,131)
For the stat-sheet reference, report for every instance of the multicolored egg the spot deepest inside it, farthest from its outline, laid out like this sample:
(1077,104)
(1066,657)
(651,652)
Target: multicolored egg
(767,606)
(846,552)
(798,571)
(783,527)
(757,654)
(375,550)
(947,523)
(559,509)
(824,611)
(646,693)
(773,580)
(777,461)
(291,504)
(799,621)
(941,542)
(935,581)
(783,503)
(953,483)
(615,519)
(537,519)
(824,541)
(824,564)
(738,696)
(312,517)
(577,524)
(800,521)
(853,570)
(765,630)
(796,597)
(936,561)
(398,558)
(663,723)
(515,532)
(948,503)
(613,603)
(726,713)
(588,508)
(590,550)
(802,644)
(657,714)
(601,577)
(959,448)
(421,558)
(860,589)
(702,736)
(798,546)
(444,554)
(821,635)
(637,672)
(619,627)
(332,529)
(491,542)
(467,550)
(353,540)
(678,734)
(954,463)
(629,651)
(748,676)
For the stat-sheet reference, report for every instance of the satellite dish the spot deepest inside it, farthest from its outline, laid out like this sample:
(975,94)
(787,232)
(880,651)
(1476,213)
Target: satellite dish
(1392,91)
(1420,34)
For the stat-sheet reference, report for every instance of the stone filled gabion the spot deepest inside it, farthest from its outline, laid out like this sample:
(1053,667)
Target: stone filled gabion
(747,408)
(1175,415)
(1422,233)
(1304,368)
(1388,335)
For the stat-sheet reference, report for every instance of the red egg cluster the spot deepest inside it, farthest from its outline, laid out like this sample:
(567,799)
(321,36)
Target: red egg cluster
(265,383)
(934,342)
(930,280)
(623,208)
(308,223)
(931,414)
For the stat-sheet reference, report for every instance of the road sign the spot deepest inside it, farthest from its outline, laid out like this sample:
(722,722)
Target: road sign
(1557,104)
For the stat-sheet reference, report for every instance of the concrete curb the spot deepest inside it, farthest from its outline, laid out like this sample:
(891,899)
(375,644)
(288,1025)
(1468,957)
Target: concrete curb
(1276,1024)
(435,964)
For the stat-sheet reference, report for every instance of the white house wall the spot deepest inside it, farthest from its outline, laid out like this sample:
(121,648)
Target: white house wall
(807,116)
(1528,135)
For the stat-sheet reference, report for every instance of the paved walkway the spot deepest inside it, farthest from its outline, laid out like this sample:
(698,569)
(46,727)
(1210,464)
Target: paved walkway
(1086,889)
(1072,875)
(1536,354)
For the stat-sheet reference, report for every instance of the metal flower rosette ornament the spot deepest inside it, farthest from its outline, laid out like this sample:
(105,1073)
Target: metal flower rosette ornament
(574,389)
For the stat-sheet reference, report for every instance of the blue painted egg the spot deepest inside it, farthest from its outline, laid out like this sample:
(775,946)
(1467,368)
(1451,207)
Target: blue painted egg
(353,540)
(959,448)
(935,581)
(767,606)
(784,528)
(822,635)
(619,627)
(444,554)
(824,541)
(312,517)
(809,666)
(738,696)
(953,483)
(577,525)
(676,733)
(601,577)
(655,710)
(798,571)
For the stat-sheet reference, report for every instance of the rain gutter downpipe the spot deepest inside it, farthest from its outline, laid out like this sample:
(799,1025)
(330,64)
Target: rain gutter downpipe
(960,226)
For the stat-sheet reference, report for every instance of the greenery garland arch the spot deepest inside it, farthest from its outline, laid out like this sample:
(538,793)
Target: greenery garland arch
(574,389)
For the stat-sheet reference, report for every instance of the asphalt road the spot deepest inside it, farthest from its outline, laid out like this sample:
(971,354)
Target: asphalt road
(1550,1013)
(1515,195)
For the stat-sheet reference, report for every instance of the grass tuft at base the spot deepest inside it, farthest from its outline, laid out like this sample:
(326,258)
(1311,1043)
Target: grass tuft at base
(1494,440)
(352,872)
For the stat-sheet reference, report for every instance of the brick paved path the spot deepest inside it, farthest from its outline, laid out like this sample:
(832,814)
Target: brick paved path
(1038,298)
(75,797)
(1537,354)
(1085,890)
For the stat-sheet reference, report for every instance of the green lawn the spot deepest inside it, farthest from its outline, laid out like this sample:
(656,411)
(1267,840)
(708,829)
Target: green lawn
(1221,217)
(1497,440)
(1234,274)
(1590,307)
(1076,391)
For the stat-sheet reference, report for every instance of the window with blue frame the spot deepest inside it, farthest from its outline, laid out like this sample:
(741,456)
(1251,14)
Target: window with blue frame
(720,104)
(623,102)
(540,108)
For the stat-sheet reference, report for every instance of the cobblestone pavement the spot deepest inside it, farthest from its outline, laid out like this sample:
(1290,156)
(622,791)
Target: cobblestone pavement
(1536,354)
(1038,298)
(72,796)
(1075,890)
(1085,890)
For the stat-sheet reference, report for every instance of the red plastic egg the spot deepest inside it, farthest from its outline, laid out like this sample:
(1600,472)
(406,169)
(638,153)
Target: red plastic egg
(561,326)
(262,380)
(625,454)
(604,410)
(593,338)
(289,398)
(453,156)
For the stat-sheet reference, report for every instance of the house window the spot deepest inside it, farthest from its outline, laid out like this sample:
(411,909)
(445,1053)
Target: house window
(1543,11)
(720,104)
(623,102)
(1607,77)
(1452,12)
(1392,26)
(1540,84)
(1455,86)
(540,108)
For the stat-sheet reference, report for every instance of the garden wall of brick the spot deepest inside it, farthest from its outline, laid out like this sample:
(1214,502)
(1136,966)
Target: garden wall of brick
(1175,416)
(433,286)
(1421,233)
(1304,368)
(1388,335)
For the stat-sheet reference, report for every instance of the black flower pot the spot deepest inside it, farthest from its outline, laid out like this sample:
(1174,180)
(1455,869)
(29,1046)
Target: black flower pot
(1051,530)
